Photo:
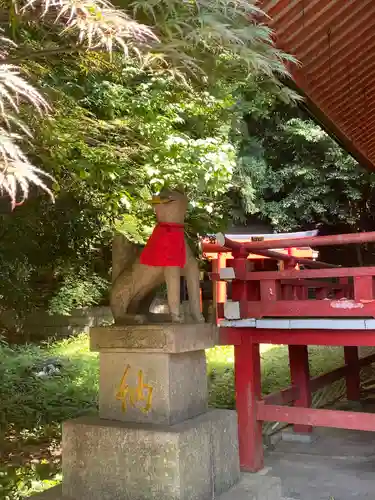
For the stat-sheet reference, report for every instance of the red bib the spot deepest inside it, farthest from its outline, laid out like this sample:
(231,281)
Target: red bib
(165,247)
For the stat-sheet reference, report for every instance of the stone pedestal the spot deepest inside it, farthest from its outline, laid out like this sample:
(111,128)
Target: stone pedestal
(166,363)
(155,437)
(108,460)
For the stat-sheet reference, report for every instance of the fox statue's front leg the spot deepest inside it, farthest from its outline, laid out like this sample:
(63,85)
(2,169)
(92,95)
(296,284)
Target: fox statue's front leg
(191,273)
(172,277)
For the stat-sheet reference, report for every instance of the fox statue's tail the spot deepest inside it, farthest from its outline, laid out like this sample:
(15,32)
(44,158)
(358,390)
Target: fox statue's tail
(124,254)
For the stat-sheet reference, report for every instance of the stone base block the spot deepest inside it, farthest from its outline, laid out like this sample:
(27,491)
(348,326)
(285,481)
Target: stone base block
(193,460)
(224,448)
(167,337)
(157,388)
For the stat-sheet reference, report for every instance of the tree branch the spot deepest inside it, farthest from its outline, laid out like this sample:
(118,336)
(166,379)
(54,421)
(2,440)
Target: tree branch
(39,54)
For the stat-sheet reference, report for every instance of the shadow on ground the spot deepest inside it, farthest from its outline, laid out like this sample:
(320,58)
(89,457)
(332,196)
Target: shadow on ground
(337,465)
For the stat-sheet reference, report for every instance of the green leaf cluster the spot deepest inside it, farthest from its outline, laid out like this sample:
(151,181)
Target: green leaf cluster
(293,174)
(117,135)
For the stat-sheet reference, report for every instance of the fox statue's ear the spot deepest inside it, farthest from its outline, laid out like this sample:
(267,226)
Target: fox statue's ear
(180,189)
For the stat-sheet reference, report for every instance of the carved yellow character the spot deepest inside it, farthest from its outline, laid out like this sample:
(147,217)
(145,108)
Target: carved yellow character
(141,393)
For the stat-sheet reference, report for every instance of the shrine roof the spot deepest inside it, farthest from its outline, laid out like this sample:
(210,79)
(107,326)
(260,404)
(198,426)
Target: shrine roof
(335,44)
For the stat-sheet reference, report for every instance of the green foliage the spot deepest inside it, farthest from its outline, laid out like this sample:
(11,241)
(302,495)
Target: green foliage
(206,36)
(294,175)
(195,41)
(131,132)
(22,482)
(78,290)
(120,129)
(32,409)
(37,405)
(117,135)
(41,261)
(275,370)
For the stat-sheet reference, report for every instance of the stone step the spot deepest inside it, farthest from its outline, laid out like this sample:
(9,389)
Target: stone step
(255,487)
(250,487)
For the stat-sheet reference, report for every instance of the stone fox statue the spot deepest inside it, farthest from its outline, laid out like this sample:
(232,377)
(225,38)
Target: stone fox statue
(166,257)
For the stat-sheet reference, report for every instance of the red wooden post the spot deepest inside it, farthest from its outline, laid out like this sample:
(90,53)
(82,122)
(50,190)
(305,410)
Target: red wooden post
(215,270)
(300,377)
(248,392)
(286,292)
(363,288)
(321,293)
(344,292)
(303,293)
(240,286)
(269,290)
(220,287)
(353,379)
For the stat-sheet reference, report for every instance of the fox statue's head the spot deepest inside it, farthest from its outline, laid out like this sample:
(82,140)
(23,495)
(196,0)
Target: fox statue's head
(170,205)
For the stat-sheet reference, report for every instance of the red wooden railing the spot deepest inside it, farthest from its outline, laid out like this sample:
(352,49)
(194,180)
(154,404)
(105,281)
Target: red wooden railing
(324,291)
(292,292)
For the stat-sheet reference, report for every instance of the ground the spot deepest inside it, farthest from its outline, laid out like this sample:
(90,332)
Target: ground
(338,465)
(32,404)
